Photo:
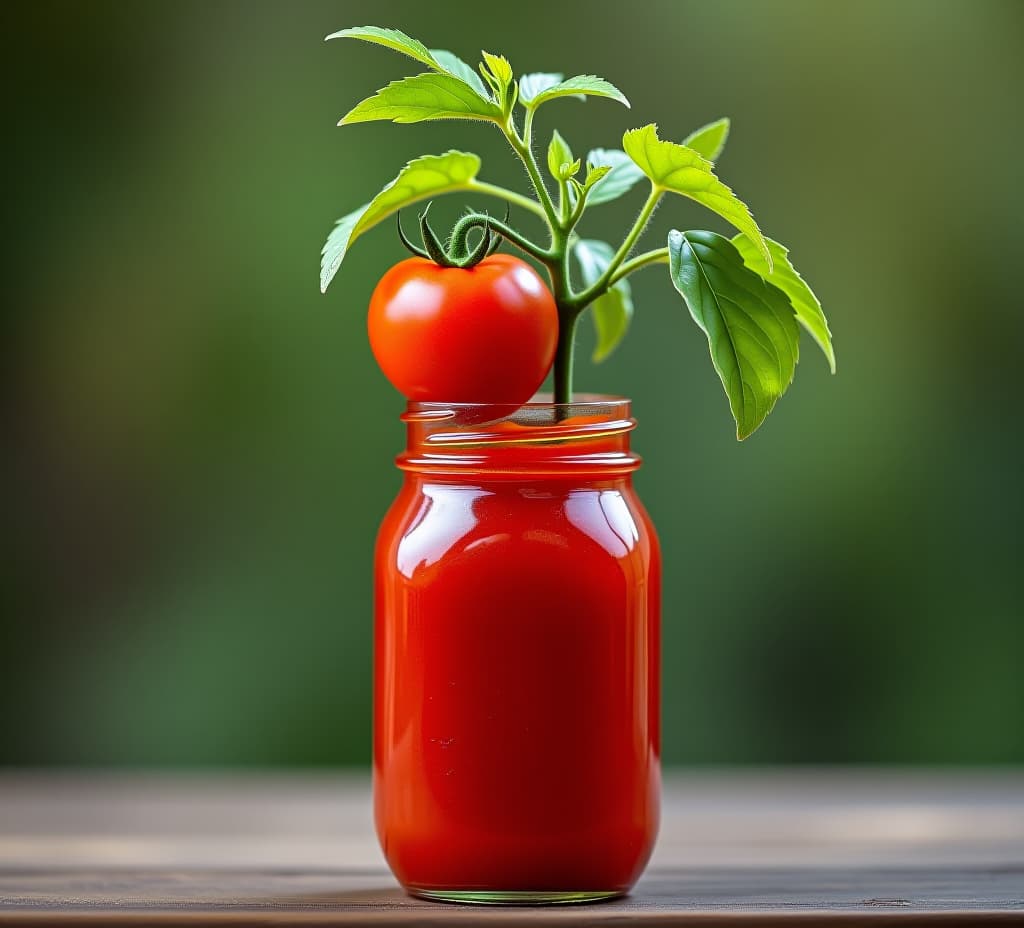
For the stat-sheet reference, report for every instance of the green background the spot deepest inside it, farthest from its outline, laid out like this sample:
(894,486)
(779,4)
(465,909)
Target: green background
(199,445)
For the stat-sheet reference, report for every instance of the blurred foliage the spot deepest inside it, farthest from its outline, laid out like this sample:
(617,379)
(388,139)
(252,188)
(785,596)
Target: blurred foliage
(199,444)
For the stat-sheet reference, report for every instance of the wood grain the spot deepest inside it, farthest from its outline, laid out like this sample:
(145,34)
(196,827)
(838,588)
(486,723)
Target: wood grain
(759,847)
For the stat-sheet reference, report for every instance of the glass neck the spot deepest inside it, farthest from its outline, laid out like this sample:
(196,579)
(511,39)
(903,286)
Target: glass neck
(586,437)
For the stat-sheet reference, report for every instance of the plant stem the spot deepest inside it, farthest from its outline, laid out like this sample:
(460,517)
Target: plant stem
(475,220)
(602,283)
(577,211)
(568,315)
(658,256)
(523,148)
(564,354)
(511,196)
(555,258)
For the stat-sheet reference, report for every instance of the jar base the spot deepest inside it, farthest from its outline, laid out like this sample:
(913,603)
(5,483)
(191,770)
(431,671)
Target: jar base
(513,897)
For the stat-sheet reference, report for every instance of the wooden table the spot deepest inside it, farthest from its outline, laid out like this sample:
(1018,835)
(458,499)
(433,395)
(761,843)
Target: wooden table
(802,847)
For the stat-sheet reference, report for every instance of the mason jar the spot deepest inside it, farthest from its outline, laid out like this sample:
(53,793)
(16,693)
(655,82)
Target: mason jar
(517,653)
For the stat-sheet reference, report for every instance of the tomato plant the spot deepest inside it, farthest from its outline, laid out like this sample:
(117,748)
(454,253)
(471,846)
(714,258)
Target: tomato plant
(742,292)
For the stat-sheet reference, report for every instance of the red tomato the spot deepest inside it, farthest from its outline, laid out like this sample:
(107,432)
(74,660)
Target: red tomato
(485,334)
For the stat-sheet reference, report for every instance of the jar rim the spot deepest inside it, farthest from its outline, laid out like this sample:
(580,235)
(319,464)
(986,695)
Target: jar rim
(589,434)
(592,402)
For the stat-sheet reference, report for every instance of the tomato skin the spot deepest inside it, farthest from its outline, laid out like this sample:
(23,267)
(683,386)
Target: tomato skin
(485,334)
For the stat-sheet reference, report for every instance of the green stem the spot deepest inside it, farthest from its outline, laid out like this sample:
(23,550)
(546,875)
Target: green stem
(564,353)
(600,285)
(528,127)
(577,211)
(523,148)
(558,268)
(564,209)
(556,259)
(516,199)
(475,220)
(658,256)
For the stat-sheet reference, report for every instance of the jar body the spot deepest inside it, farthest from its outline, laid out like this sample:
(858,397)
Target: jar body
(517,652)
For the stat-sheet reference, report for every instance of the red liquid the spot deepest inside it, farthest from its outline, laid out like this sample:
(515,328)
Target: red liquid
(517,686)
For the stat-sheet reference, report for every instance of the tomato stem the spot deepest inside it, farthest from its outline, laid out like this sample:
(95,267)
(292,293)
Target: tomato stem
(657,256)
(605,280)
(564,356)
(479,220)
(561,220)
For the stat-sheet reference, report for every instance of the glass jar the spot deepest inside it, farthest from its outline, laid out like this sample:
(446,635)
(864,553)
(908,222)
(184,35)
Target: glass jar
(517,653)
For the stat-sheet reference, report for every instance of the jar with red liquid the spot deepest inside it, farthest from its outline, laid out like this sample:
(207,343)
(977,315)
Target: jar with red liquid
(517,651)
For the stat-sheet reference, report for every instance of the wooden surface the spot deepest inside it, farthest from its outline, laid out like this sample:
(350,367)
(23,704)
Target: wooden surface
(754,848)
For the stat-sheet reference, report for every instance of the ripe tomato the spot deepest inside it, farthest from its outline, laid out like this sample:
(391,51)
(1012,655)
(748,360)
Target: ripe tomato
(485,334)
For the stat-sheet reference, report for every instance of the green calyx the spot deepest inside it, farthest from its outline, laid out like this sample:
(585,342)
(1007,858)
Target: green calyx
(744,293)
(459,253)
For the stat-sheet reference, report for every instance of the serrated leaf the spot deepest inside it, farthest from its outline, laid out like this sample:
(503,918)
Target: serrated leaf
(394,39)
(559,153)
(453,64)
(498,73)
(784,276)
(585,84)
(499,66)
(612,311)
(437,58)
(530,85)
(750,326)
(337,244)
(422,97)
(708,141)
(595,174)
(623,176)
(420,179)
(678,169)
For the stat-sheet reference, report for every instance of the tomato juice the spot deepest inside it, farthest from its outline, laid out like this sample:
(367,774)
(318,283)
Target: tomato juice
(516,729)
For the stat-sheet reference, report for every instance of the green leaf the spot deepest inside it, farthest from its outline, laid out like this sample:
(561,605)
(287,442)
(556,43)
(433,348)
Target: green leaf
(394,39)
(585,84)
(498,73)
(420,179)
(436,58)
(571,169)
(784,276)
(708,141)
(425,96)
(499,67)
(559,153)
(751,328)
(612,311)
(595,174)
(530,85)
(622,177)
(337,244)
(678,169)
(453,64)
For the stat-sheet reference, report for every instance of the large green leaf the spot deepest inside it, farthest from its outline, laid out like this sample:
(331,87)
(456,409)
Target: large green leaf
(424,96)
(453,64)
(612,311)
(394,39)
(623,176)
(585,84)
(419,179)
(437,58)
(784,276)
(530,85)
(751,328)
(678,169)
(708,141)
